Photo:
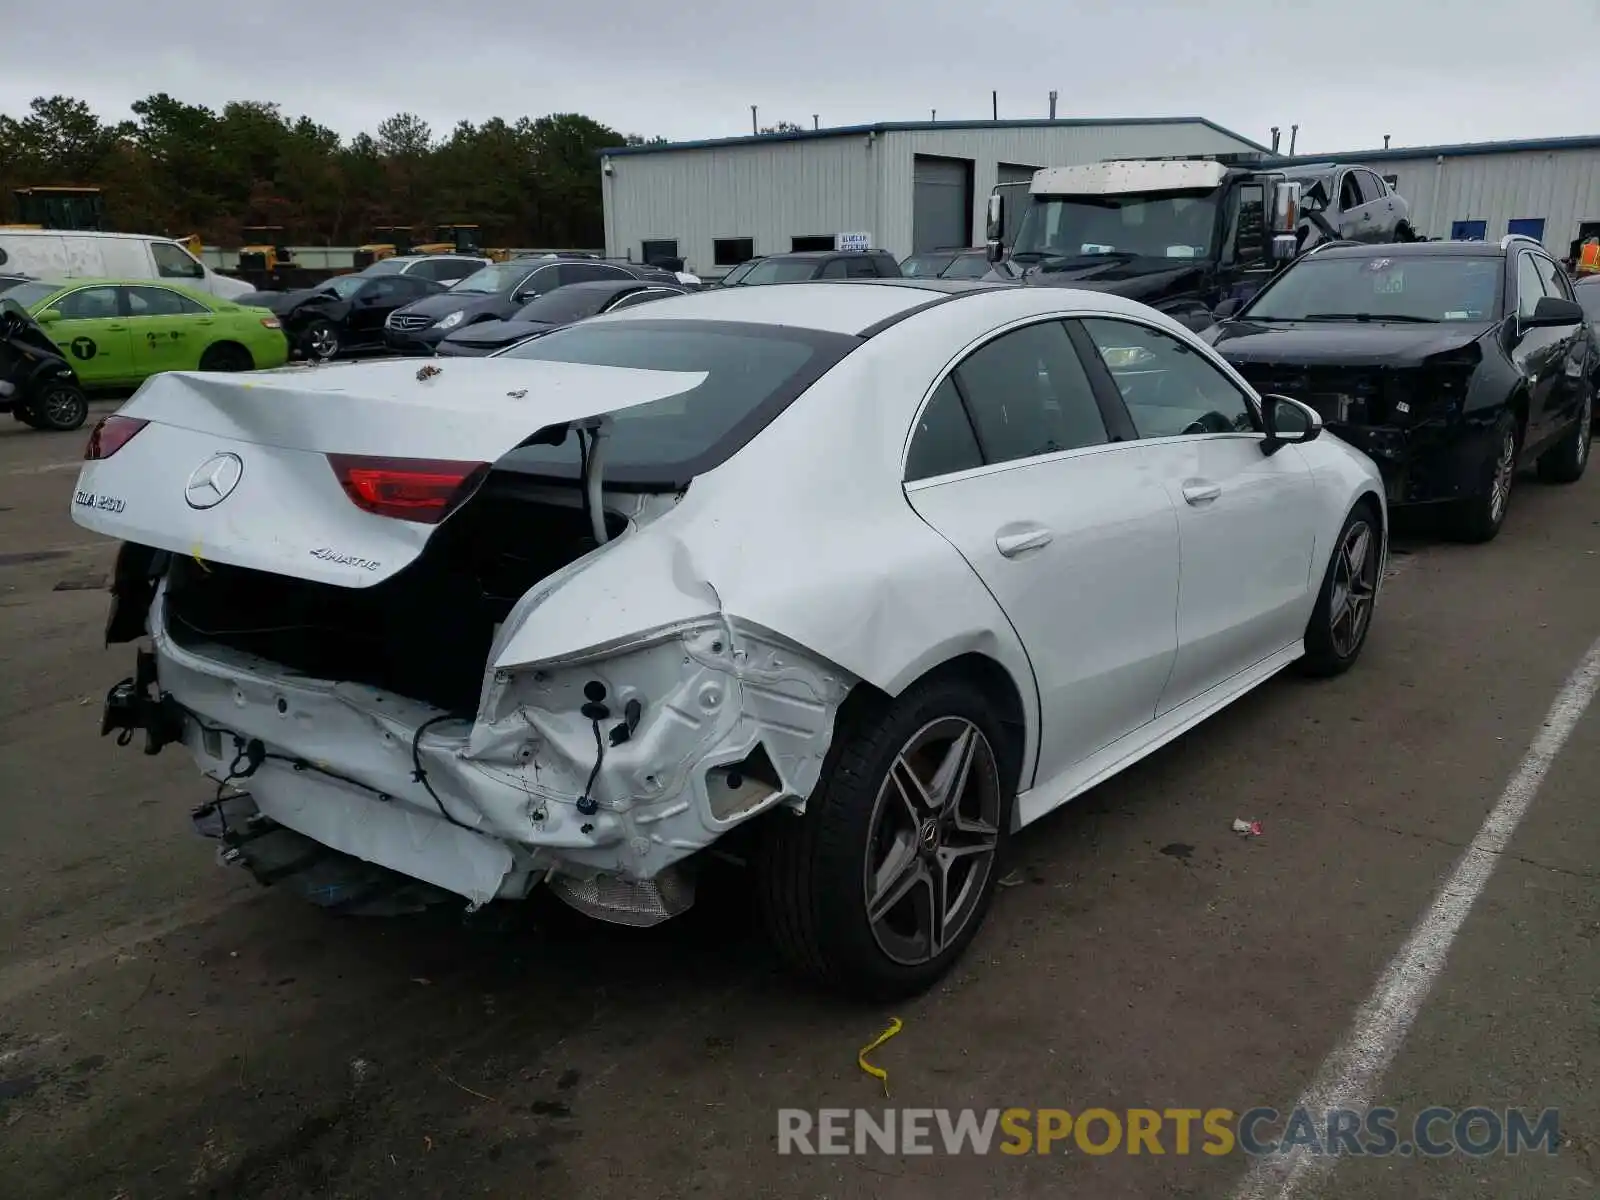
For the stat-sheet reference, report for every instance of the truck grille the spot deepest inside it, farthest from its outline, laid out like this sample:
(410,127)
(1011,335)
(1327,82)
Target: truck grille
(408,321)
(1341,395)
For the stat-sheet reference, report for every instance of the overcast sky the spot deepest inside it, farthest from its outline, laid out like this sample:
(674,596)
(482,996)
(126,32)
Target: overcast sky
(1347,71)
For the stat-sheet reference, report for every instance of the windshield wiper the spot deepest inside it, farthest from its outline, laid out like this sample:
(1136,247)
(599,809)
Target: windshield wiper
(1367,318)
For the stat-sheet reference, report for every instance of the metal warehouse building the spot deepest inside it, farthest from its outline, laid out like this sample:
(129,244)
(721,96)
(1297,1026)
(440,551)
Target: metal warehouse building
(906,185)
(1549,189)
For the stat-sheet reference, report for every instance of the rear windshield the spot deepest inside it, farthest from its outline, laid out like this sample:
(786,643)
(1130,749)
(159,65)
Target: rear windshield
(781,270)
(567,304)
(752,373)
(1422,288)
(923,266)
(388,266)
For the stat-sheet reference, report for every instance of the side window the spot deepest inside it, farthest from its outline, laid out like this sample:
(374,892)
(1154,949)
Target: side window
(160,302)
(1554,278)
(1350,192)
(644,297)
(860,268)
(942,441)
(173,262)
(589,272)
(448,270)
(834,268)
(388,289)
(88,304)
(1371,186)
(1169,388)
(1530,288)
(1028,395)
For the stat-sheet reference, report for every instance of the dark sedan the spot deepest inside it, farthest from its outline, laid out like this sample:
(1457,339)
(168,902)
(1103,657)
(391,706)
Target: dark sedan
(551,311)
(345,313)
(1451,363)
(492,294)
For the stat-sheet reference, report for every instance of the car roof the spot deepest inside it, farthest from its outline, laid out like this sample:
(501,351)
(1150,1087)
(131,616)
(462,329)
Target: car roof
(97,281)
(859,307)
(817,253)
(1414,250)
(633,282)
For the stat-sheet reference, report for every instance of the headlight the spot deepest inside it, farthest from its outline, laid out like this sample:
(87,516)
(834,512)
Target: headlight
(451,321)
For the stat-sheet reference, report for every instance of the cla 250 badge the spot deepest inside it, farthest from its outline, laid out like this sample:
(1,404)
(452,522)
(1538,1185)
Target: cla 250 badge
(101,503)
(344,560)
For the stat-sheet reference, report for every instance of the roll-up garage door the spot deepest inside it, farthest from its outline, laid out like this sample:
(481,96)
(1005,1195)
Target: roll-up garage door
(941,212)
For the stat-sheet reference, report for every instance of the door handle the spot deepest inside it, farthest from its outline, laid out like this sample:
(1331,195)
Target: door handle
(1012,544)
(116,328)
(1201,493)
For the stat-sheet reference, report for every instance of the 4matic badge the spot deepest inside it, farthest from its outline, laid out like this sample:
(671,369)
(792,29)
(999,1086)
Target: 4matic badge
(345,560)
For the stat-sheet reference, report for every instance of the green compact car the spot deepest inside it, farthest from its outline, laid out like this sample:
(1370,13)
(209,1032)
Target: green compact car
(117,333)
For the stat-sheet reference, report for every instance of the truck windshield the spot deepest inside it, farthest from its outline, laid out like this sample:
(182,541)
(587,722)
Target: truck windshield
(1152,225)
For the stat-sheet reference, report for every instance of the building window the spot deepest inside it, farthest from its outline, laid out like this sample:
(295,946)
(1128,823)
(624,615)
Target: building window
(657,252)
(730,252)
(813,242)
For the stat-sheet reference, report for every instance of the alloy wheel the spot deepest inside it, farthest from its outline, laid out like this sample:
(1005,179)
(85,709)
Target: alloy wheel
(324,342)
(1355,587)
(1505,468)
(61,407)
(932,840)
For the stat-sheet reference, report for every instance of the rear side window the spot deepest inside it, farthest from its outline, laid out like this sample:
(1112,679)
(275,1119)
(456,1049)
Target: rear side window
(1029,395)
(161,302)
(943,441)
(752,373)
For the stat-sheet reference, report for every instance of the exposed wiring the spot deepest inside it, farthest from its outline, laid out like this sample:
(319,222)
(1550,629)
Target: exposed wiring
(421,776)
(253,753)
(583,476)
(587,804)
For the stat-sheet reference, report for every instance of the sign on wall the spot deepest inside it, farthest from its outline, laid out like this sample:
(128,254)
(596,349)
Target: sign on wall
(852,241)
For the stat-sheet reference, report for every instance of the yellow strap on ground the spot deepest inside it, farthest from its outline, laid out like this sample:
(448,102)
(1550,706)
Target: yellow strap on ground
(195,550)
(895,1026)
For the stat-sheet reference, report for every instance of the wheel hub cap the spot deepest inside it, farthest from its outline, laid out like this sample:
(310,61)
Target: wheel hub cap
(1355,587)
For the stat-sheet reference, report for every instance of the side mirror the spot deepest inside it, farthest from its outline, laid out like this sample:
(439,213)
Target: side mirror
(1284,247)
(49,316)
(1288,422)
(995,226)
(1285,207)
(1554,310)
(1226,308)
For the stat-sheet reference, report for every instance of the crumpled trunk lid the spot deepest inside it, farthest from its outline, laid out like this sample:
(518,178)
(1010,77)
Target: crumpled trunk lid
(236,469)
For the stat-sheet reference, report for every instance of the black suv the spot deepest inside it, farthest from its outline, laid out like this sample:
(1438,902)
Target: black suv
(800,265)
(1450,363)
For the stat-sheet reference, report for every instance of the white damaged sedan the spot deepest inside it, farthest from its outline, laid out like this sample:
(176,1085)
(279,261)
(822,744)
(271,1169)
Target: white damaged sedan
(848,580)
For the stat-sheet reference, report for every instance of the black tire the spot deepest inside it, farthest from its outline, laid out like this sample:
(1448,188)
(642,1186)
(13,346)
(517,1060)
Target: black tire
(1404,233)
(812,869)
(1478,517)
(1342,618)
(58,408)
(319,341)
(1565,461)
(226,356)
(25,414)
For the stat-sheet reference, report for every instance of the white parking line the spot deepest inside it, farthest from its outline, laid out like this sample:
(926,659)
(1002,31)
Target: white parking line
(1349,1075)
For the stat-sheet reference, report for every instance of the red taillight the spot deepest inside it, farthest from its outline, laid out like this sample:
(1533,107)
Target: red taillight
(425,490)
(110,435)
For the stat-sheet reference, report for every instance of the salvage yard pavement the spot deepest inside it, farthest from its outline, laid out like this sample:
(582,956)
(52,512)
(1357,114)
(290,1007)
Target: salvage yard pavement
(167,1028)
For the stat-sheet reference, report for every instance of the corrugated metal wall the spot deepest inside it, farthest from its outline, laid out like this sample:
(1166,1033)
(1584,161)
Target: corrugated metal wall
(769,192)
(775,191)
(1561,186)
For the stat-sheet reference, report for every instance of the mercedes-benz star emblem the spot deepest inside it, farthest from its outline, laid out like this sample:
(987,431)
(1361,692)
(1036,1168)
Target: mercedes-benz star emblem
(213,481)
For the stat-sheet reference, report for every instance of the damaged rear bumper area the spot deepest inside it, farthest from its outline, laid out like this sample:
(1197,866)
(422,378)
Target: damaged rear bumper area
(599,775)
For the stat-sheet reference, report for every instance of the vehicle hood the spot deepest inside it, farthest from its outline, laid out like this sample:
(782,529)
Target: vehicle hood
(285,510)
(1135,279)
(498,333)
(283,303)
(447,302)
(1341,343)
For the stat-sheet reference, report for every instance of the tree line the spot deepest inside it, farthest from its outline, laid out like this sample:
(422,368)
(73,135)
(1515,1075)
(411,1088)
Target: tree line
(179,168)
